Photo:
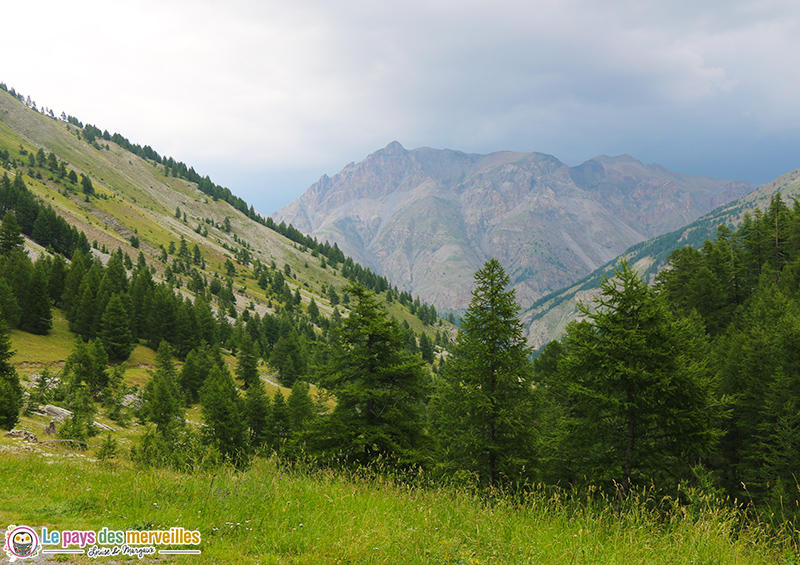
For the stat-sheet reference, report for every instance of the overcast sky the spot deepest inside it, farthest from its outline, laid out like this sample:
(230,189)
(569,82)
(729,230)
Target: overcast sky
(265,96)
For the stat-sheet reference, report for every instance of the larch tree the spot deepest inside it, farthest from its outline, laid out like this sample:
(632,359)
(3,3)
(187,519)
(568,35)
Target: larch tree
(380,389)
(640,400)
(224,416)
(483,407)
(10,387)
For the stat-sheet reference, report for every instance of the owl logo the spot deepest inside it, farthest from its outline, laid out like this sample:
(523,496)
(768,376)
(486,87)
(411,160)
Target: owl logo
(21,542)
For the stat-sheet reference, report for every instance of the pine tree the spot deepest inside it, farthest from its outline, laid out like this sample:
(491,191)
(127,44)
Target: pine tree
(10,234)
(757,361)
(288,358)
(301,411)
(640,402)
(161,402)
(278,423)
(247,362)
(115,330)
(9,307)
(195,371)
(86,367)
(223,414)
(484,406)
(37,317)
(10,387)
(257,411)
(380,389)
(426,347)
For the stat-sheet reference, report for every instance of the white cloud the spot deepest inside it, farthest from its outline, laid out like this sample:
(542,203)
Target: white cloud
(279,86)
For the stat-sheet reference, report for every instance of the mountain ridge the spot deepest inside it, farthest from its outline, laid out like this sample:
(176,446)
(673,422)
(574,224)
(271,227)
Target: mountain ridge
(428,218)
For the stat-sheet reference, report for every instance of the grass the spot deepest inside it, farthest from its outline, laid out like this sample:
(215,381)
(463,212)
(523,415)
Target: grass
(34,352)
(269,515)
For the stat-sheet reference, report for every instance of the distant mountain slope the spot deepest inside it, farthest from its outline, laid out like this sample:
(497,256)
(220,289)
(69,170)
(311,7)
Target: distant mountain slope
(140,205)
(547,318)
(428,219)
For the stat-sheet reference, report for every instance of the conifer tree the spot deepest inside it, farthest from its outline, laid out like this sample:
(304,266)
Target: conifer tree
(195,371)
(640,402)
(37,317)
(10,387)
(224,417)
(380,389)
(301,410)
(483,408)
(247,362)
(9,307)
(278,426)
(257,411)
(86,367)
(10,234)
(288,358)
(161,402)
(115,330)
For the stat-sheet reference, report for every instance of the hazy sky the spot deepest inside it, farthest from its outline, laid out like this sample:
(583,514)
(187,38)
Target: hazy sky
(266,96)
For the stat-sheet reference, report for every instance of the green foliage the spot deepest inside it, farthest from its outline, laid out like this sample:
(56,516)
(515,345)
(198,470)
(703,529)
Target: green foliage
(380,390)
(10,234)
(80,426)
(195,371)
(10,387)
(257,409)
(639,398)
(289,357)
(86,185)
(161,401)
(247,362)
(9,307)
(86,367)
(115,331)
(109,448)
(484,405)
(223,413)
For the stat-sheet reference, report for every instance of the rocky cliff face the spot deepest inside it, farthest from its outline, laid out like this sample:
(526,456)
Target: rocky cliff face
(428,219)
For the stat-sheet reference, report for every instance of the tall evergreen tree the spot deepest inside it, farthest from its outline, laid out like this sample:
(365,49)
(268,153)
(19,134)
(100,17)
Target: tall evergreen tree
(380,389)
(257,411)
(37,316)
(195,371)
(86,367)
(161,402)
(223,413)
(10,234)
(278,424)
(640,400)
(115,330)
(10,387)
(9,306)
(484,405)
(247,362)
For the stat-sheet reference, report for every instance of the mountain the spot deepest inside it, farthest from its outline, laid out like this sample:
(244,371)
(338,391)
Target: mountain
(427,219)
(547,318)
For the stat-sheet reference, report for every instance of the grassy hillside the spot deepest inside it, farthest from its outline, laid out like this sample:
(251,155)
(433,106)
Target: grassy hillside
(138,207)
(271,515)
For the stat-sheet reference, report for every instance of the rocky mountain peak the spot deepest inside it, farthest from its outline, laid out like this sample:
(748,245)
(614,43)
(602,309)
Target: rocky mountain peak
(428,218)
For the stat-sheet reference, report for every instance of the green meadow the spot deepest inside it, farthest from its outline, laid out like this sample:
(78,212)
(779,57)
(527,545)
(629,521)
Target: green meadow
(269,514)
